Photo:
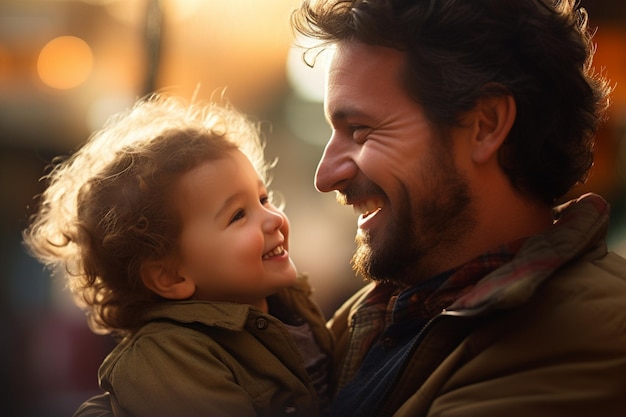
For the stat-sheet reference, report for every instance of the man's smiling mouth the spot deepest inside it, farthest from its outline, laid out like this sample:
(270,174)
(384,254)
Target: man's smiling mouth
(367,208)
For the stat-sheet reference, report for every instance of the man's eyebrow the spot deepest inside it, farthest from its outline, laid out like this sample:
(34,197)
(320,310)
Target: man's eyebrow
(345,112)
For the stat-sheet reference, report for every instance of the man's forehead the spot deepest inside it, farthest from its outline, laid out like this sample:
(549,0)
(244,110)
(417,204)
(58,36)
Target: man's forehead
(356,73)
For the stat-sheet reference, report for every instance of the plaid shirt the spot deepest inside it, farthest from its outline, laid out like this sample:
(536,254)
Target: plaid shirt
(468,285)
(387,305)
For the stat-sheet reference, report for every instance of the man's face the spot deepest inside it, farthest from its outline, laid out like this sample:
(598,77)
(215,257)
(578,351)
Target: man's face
(388,161)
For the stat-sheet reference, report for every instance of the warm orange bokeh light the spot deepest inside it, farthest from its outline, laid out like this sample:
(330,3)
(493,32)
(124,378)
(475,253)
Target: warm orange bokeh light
(6,64)
(65,62)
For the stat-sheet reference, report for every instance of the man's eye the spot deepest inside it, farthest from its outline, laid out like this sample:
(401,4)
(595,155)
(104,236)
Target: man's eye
(359,132)
(238,216)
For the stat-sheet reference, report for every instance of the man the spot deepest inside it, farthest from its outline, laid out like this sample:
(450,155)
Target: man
(457,127)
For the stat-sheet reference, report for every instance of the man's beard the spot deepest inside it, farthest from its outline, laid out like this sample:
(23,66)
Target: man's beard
(421,228)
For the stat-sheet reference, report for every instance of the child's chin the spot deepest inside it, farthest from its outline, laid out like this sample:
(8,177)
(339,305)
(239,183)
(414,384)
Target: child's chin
(291,277)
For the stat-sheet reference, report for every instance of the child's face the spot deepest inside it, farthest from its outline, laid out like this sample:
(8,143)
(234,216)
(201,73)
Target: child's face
(234,242)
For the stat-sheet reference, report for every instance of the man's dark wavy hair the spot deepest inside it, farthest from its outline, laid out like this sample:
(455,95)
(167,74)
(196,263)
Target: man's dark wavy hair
(540,52)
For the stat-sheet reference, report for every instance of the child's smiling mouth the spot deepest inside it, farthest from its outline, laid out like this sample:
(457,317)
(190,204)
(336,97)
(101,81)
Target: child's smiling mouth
(277,251)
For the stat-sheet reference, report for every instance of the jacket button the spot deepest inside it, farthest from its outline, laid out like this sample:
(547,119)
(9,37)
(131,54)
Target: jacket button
(290,410)
(389,343)
(262,323)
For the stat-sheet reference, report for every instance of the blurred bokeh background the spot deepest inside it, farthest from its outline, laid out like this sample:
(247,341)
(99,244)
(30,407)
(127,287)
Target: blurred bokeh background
(67,65)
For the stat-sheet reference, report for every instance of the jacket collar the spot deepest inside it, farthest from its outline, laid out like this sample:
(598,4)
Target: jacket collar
(579,230)
(231,316)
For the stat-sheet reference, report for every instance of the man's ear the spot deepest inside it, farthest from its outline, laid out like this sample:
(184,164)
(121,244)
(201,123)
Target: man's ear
(493,118)
(162,278)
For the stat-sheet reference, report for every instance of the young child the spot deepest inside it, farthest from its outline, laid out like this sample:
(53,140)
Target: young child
(168,237)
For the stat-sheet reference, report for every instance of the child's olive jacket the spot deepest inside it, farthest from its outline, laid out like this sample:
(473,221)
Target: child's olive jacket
(198,358)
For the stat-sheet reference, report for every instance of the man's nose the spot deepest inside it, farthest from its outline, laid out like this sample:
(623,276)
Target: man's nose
(336,167)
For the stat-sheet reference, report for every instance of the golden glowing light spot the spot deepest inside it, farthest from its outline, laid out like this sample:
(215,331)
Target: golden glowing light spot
(65,62)
(181,10)
(6,64)
(307,82)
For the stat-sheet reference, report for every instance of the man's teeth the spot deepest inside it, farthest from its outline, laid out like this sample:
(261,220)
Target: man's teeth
(278,250)
(367,207)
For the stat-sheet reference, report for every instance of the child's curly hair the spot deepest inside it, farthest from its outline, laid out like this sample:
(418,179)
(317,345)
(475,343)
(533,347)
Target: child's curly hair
(107,208)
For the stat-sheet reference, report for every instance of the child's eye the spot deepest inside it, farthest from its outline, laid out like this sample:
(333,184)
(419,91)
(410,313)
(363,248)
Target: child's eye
(264,200)
(238,216)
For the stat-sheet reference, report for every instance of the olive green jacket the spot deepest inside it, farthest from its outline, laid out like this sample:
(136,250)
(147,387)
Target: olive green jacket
(542,336)
(214,359)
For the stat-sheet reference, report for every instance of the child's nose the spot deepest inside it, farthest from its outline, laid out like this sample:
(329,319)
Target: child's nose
(273,221)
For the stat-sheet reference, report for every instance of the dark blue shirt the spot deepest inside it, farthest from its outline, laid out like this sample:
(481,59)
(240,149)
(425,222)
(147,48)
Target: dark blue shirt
(361,397)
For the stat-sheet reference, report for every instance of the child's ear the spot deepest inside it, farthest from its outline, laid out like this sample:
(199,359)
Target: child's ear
(160,277)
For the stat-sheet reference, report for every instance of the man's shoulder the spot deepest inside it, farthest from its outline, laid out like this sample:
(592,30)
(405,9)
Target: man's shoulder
(604,275)
(613,264)
(592,294)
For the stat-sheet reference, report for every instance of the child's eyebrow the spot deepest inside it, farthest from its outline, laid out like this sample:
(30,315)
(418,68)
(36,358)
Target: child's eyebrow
(228,203)
(236,196)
